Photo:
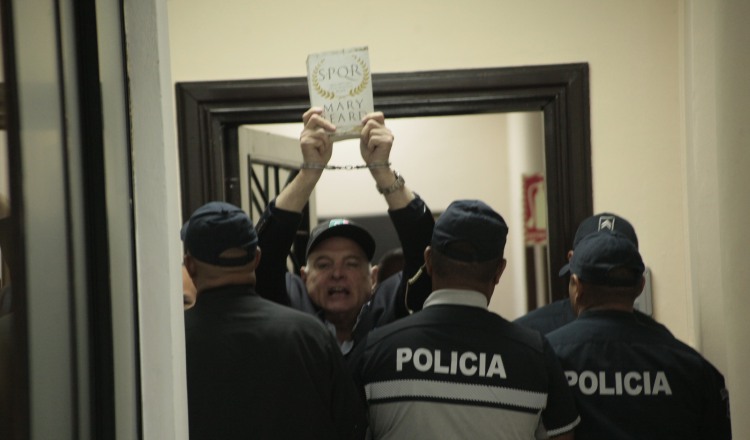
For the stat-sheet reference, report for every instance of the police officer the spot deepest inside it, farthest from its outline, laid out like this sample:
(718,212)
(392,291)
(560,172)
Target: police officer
(455,369)
(255,369)
(631,381)
(558,313)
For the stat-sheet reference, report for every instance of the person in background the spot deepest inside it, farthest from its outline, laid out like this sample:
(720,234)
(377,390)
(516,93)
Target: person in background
(454,369)
(558,313)
(631,381)
(336,282)
(390,263)
(255,369)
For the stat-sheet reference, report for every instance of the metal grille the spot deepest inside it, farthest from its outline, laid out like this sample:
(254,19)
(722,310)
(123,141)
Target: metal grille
(266,180)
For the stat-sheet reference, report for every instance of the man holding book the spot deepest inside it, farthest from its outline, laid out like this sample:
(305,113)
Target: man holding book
(336,284)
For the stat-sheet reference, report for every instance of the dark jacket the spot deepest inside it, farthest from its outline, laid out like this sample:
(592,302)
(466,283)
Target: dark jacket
(556,314)
(258,370)
(635,381)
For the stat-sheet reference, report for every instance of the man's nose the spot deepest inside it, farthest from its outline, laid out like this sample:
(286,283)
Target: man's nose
(338,271)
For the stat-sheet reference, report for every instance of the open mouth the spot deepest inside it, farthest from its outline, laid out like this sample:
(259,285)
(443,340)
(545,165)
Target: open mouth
(338,291)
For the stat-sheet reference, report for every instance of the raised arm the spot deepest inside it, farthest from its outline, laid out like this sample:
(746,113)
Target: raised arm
(277,227)
(317,147)
(375,146)
(411,218)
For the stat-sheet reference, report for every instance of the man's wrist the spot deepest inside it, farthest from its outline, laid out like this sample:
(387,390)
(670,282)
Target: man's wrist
(321,166)
(393,187)
(376,165)
(312,166)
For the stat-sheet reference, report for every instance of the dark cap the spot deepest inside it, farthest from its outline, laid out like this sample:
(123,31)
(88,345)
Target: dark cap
(340,227)
(216,227)
(599,253)
(599,222)
(471,231)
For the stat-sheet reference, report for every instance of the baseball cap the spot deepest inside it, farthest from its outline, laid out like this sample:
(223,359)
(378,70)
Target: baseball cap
(470,231)
(599,253)
(599,222)
(216,227)
(341,227)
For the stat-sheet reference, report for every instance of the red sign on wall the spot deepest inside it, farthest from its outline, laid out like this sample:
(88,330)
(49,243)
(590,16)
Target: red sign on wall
(534,209)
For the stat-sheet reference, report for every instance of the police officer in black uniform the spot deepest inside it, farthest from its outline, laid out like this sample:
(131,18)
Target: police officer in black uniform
(256,369)
(454,369)
(558,313)
(631,380)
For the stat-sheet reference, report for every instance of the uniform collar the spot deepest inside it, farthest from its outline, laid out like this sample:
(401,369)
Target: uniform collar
(227,291)
(457,297)
(608,313)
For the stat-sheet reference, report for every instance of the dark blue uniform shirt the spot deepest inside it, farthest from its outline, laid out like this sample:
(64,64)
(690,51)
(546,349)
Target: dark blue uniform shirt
(556,314)
(635,381)
(258,370)
(456,370)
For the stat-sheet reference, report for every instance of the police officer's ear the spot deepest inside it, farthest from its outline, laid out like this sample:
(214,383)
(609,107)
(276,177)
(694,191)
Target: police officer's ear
(189,292)
(374,277)
(428,260)
(189,263)
(639,288)
(256,259)
(577,293)
(500,270)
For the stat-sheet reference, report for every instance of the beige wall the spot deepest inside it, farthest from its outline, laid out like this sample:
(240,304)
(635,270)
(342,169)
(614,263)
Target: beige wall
(733,159)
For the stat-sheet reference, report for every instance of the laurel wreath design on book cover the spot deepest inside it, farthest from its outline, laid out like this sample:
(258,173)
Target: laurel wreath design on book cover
(327,94)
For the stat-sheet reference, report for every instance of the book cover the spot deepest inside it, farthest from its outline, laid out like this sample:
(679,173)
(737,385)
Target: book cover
(340,82)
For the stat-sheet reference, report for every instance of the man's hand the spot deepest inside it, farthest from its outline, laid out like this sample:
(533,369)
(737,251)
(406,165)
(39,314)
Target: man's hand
(375,145)
(317,147)
(315,140)
(376,139)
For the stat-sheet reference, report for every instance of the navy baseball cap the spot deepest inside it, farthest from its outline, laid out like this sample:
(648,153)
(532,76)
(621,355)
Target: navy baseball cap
(216,227)
(470,231)
(599,253)
(599,222)
(341,227)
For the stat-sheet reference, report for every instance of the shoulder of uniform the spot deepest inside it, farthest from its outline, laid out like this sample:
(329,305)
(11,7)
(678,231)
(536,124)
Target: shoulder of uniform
(527,336)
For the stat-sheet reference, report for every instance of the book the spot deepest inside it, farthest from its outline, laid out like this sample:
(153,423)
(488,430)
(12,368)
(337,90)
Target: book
(340,82)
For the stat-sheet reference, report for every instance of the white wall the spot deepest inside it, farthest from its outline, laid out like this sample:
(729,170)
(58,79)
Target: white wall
(156,211)
(717,158)
(733,105)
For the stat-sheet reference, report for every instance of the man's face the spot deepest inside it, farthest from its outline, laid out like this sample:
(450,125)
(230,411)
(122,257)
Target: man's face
(338,278)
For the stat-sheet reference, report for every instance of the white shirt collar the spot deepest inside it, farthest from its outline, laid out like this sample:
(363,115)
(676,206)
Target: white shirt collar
(345,346)
(459,297)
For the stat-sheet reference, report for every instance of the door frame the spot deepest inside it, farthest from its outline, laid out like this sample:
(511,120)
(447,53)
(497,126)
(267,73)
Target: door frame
(209,113)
